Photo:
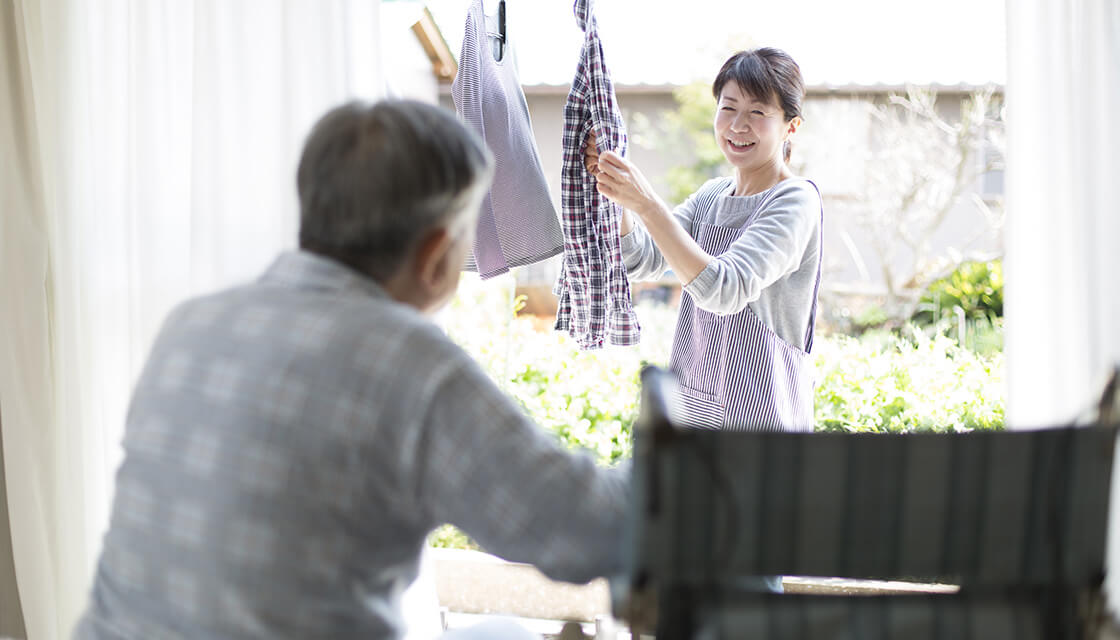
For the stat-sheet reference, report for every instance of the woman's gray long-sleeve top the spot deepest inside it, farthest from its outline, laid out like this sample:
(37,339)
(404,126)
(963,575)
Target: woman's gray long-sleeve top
(771,268)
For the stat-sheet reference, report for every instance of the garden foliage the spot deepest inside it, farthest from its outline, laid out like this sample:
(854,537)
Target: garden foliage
(879,382)
(976,288)
(886,382)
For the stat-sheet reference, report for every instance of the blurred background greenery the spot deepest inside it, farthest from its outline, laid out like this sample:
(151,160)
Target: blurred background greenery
(878,379)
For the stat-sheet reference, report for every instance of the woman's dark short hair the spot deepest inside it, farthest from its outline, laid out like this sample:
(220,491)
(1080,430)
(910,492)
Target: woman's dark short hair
(764,74)
(373,178)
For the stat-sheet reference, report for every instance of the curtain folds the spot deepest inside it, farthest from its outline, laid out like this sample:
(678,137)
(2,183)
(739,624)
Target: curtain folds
(1063,229)
(26,390)
(149,151)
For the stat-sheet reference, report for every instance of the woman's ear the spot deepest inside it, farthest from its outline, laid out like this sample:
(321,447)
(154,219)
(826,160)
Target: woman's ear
(792,126)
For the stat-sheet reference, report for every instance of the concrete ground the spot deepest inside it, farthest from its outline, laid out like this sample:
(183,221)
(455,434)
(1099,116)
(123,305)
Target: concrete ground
(472,582)
(471,586)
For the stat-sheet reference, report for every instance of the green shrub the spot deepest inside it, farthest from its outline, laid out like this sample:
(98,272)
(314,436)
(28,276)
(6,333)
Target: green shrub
(884,382)
(449,537)
(974,287)
(985,337)
(880,382)
(589,399)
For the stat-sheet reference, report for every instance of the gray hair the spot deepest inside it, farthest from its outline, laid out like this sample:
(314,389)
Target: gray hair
(373,178)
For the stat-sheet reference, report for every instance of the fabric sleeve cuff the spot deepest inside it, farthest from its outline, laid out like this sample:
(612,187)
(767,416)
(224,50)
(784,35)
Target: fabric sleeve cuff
(630,241)
(704,284)
(631,247)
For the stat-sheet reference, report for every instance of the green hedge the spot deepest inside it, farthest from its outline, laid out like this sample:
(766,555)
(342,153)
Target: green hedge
(588,398)
(976,288)
(883,382)
(879,382)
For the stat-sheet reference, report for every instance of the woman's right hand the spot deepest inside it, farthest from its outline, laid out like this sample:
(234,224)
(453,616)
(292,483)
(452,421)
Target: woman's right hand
(591,163)
(624,184)
(621,182)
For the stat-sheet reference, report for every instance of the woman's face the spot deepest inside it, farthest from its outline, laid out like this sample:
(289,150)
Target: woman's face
(749,132)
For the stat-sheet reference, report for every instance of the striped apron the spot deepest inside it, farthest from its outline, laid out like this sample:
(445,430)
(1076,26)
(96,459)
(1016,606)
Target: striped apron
(733,371)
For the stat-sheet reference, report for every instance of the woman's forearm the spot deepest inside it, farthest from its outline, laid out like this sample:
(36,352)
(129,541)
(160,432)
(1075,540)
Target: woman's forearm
(680,251)
(625,185)
(626,225)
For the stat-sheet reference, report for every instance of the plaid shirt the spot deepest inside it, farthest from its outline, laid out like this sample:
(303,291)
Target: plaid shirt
(593,287)
(289,446)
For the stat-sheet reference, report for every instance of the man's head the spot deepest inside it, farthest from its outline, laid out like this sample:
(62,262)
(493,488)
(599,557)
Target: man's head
(392,189)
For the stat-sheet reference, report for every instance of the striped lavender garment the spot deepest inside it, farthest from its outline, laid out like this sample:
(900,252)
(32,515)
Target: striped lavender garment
(734,371)
(518,224)
(593,287)
(740,350)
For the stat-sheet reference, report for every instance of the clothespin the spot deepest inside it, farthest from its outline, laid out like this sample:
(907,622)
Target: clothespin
(501,28)
(498,40)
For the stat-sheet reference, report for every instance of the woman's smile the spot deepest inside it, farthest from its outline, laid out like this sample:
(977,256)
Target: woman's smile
(741,146)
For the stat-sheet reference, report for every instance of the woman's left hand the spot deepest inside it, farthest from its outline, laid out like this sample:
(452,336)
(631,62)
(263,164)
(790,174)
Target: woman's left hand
(623,183)
(591,155)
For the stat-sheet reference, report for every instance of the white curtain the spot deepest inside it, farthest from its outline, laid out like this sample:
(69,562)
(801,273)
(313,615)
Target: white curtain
(1063,229)
(147,153)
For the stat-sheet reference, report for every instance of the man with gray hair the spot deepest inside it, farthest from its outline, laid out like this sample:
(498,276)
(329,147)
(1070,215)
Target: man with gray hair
(291,442)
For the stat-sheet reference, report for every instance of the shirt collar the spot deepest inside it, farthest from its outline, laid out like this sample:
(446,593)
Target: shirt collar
(303,269)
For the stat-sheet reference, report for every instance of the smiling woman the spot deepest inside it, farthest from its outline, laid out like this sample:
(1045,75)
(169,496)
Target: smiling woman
(765,88)
(747,250)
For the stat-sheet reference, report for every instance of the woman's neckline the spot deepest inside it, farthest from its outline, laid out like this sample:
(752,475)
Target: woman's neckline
(731,190)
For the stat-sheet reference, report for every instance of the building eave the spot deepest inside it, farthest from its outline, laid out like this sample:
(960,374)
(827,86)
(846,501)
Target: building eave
(854,89)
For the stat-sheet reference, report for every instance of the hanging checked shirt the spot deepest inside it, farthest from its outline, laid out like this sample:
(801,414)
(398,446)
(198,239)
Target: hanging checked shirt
(593,287)
(518,224)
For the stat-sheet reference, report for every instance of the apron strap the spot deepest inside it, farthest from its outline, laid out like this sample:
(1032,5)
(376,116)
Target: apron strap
(706,198)
(817,285)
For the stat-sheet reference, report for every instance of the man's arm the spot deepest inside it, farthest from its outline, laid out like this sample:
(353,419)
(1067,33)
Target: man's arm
(512,487)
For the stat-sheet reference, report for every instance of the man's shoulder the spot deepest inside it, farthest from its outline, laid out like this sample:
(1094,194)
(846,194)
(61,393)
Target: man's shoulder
(312,320)
(293,304)
(366,342)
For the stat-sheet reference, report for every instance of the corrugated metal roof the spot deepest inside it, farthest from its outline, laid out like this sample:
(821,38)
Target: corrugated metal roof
(844,43)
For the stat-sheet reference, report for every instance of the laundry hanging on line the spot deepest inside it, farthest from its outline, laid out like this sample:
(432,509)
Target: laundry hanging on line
(595,304)
(518,223)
